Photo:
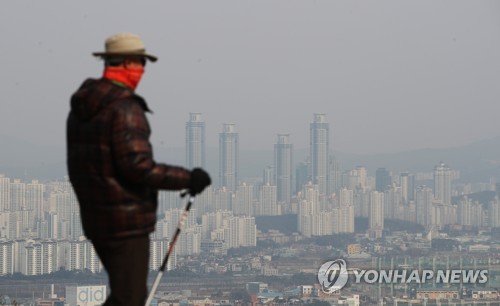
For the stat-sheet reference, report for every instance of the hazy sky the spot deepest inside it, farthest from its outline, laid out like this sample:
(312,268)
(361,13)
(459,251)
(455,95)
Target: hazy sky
(389,75)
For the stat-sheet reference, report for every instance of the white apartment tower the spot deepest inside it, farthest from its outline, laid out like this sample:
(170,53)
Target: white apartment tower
(189,242)
(247,231)
(346,197)
(6,257)
(442,183)
(195,141)
(76,255)
(309,208)
(346,211)
(31,258)
(17,195)
(222,200)
(424,206)
(393,208)
(4,193)
(376,215)
(228,157)
(283,167)
(49,256)
(244,201)
(93,262)
(212,221)
(267,200)
(335,176)
(319,146)
(407,182)
(158,249)
(34,199)
(494,213)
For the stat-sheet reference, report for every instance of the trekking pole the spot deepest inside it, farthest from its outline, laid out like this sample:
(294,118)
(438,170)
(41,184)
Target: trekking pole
(170,247)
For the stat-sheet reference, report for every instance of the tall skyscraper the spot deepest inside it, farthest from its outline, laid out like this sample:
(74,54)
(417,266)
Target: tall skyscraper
(228,157)
(283,167)
(319,145)
(195,141)
(442,183)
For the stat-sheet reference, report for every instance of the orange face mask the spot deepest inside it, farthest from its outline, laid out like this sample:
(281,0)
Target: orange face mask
(126,75)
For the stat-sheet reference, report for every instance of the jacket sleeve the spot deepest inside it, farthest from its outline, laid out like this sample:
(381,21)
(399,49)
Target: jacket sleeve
(133,154)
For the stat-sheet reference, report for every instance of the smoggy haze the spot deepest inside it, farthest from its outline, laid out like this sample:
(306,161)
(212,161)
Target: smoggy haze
(390,75)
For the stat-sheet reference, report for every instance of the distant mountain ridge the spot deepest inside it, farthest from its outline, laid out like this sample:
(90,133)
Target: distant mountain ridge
(477,161)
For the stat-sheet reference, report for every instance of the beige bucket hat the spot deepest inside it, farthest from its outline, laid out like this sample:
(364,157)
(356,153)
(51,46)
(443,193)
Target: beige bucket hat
(125,44)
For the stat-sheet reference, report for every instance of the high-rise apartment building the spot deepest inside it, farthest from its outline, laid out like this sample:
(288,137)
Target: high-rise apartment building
(346,211)
(267,201)
(4,193)
(345,219)
(189,241)
(442,183)
(335,176)
(308,206)
(244,200)
(383,179)
(407,183)
(30,262)
(494,213)
(6,257)
(34,199)
(228,157)
(470,213)
(195,141)
(223,200)
(76,254)
(356,178)
(243,231)
(392,203)
(157,250)
(302,175)
(319,146)
(17,195)
(212,221)
(268,176)
(50,257)
(424,205)
(376,213)
(283,167)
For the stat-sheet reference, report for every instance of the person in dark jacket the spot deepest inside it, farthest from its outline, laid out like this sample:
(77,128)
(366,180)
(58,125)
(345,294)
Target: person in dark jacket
(112,170)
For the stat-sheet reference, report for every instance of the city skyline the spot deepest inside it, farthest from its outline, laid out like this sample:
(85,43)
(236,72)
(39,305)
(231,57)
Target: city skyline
(365,131)
(478,158)
(40,229)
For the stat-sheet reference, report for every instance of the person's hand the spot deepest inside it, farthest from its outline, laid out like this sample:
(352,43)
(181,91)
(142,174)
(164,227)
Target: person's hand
(199,181)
